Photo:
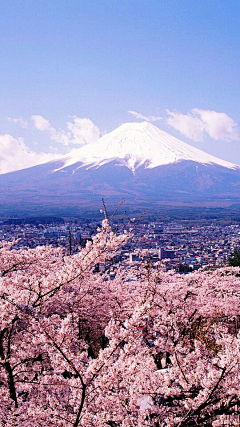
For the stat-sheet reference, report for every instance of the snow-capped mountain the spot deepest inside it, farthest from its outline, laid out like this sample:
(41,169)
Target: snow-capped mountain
(140,144)
(137,162)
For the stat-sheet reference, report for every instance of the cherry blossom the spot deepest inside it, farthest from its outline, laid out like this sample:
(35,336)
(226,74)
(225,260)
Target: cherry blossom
(80,349)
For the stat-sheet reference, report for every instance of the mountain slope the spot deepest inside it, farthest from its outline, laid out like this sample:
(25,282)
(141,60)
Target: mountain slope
(136,162)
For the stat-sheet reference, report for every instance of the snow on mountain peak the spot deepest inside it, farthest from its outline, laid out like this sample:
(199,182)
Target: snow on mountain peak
(136,144)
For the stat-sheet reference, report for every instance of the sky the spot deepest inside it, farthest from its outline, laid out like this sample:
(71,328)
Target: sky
(73,70)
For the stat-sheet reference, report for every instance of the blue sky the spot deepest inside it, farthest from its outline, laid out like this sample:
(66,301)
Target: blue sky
(63,61)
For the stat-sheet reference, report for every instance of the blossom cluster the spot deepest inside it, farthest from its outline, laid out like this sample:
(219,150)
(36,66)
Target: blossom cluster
(79,349)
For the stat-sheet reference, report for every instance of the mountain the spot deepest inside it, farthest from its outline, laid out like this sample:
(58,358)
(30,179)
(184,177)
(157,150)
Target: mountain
(140,144)
(137,162)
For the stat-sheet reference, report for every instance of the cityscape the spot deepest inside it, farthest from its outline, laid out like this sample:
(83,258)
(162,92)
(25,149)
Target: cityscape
(178,246)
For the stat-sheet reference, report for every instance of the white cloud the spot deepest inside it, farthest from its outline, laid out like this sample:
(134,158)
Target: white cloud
(19,121)
(218,125)
(197,123)
(80,131)
(83,131)
(41,123)
(188,125)
(142,117)
(15,155)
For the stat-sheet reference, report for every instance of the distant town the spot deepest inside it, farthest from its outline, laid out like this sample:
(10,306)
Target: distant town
(178,246)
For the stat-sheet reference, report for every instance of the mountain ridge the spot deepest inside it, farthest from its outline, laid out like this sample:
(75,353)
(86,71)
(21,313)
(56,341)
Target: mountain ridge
(132,173)
(138,144)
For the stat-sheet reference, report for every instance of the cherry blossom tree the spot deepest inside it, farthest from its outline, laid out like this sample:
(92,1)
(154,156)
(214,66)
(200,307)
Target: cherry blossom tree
(54,310)
(179,361)
(145,349)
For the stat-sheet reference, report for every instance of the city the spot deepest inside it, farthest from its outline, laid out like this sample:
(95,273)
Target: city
(179,246)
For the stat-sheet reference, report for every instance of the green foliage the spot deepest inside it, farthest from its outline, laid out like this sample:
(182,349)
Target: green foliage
(234,261)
